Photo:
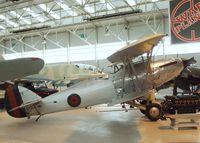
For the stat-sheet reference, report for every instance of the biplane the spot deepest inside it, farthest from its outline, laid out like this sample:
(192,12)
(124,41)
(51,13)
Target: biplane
(129,81)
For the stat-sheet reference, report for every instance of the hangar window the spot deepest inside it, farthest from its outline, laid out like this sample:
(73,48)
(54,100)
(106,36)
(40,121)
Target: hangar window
(101,51)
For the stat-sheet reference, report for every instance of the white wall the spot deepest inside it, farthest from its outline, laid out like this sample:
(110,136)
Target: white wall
(66,39)
(67,47)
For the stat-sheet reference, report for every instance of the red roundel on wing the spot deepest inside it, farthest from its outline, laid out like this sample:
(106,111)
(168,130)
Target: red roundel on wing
(74,100)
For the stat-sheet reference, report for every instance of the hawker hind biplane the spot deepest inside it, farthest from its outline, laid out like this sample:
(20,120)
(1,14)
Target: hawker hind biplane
(130,81)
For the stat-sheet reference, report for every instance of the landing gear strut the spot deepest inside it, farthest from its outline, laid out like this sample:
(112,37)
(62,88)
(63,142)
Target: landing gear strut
(150,108)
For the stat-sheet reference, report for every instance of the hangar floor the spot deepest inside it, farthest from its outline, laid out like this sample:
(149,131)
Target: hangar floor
(90,126)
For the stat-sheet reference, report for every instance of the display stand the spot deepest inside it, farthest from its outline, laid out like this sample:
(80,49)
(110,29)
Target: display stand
(177,124)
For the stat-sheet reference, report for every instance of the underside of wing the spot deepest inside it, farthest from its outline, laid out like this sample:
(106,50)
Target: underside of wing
(18,68)
(136,48)
(126,98)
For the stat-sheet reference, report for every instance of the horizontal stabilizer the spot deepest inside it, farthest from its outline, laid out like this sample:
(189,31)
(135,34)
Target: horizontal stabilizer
(28,96)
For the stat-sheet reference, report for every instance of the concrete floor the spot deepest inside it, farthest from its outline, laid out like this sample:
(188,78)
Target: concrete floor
(90,126)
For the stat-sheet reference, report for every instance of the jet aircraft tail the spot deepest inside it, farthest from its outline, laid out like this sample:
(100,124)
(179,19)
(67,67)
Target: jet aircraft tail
(18,100)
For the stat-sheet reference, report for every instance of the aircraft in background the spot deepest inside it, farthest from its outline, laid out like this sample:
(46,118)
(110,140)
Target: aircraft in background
(188,81)
(66,74)
(18,68)
(131,80)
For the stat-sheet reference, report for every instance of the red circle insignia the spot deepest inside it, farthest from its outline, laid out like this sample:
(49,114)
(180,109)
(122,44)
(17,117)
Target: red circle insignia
(74,100)
(185,20)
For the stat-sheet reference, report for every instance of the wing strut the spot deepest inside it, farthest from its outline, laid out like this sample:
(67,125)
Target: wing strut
(131,71)
(149,56)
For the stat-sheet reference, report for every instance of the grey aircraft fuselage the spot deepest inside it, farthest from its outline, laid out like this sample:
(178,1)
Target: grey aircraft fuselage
(120,87)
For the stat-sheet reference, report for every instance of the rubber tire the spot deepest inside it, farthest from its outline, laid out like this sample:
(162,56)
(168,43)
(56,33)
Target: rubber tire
(149,107)
(143,111)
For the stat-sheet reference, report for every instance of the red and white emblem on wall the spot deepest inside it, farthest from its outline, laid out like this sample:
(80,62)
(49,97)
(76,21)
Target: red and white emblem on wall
(185,21)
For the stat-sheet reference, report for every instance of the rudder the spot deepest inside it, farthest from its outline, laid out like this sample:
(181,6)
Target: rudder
(13,100)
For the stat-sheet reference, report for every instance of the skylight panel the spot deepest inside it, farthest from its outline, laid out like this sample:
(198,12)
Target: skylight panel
(68,10)
(109,6)
(12,23)
(35,15)
(2,27)
(89,9)
(81,2)
(8,21)
(45,8)
(3,17)
(18,16)
(131,2)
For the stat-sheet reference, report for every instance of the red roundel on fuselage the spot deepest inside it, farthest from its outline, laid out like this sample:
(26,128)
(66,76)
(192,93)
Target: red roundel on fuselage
(74,100)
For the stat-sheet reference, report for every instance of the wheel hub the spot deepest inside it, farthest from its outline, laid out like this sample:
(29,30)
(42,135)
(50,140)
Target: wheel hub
(154,112)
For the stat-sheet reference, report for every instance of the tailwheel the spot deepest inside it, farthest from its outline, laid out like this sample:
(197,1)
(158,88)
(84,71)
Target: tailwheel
(153,111)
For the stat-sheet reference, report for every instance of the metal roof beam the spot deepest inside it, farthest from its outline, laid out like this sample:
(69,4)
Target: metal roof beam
(20,40)
(29,33)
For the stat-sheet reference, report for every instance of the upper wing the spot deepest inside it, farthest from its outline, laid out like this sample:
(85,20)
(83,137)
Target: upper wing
(18,68)
(136,48)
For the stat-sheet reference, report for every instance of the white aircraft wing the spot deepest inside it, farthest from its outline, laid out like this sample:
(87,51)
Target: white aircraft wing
(18,68)
(136,48)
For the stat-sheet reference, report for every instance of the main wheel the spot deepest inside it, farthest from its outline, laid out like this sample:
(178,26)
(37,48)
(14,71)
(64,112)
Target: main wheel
(153,111)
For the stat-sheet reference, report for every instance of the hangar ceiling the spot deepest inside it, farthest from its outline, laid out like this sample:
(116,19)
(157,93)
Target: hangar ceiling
(25,18)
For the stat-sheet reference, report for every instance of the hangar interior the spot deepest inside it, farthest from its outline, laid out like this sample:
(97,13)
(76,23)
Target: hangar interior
(71,31)
(87,31)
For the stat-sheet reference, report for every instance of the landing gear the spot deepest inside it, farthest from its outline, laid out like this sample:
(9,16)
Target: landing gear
(143,102)
(149,106)
(153,111)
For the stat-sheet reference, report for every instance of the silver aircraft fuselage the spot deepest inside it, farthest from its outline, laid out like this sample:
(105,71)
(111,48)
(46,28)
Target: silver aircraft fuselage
(120,85)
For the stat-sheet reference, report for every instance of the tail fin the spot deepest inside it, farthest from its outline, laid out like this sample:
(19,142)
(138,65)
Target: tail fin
(13,99)
(17,99)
